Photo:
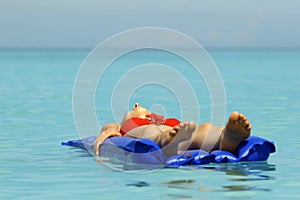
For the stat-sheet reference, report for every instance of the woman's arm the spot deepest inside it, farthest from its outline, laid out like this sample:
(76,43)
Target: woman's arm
(107,131)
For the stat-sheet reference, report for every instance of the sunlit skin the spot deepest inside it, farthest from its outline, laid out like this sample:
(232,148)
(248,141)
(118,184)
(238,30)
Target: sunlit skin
(185,136)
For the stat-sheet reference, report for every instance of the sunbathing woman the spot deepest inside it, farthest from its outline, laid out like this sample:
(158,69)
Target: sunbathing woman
(173,136)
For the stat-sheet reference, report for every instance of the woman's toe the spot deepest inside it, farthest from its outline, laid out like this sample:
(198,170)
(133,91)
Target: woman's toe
(173,132)
(234,116)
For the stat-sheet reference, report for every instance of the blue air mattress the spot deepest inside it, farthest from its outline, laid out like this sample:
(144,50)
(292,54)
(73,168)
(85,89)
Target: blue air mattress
(144,151)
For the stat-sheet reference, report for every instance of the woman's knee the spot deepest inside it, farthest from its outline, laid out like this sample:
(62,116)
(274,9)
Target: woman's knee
(206,126)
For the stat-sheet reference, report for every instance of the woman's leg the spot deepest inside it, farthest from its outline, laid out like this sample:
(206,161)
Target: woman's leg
(209,137)
(205,137)
(166,137)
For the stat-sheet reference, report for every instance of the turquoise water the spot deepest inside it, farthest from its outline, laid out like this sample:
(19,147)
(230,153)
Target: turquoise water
(36,115)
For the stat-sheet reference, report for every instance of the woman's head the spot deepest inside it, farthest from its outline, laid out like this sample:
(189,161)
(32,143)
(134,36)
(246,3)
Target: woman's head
(137,111)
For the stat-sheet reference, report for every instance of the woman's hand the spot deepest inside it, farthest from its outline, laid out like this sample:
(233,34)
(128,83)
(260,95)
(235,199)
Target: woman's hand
(156,119)
(108,130)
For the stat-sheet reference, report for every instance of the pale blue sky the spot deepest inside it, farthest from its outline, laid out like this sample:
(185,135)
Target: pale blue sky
(214,23)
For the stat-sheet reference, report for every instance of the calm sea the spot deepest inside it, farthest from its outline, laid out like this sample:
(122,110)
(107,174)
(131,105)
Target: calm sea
(36,116)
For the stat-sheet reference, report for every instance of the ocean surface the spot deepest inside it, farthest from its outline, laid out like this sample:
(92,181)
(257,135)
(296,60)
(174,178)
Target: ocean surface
(36,113)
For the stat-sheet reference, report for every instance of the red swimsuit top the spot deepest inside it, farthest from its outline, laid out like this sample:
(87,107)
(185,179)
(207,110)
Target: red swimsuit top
(134,122)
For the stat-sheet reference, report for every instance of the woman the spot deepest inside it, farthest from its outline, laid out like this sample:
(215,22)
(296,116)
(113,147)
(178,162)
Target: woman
(172,135)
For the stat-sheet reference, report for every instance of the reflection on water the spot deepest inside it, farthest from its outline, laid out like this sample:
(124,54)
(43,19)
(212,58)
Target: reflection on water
(229,178)
(138,184)
(244,169)
(180,184)
(241,177)
(233,188)
(179,196)
(78,153)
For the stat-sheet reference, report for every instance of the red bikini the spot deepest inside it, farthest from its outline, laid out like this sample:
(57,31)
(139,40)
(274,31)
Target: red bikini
(150,119)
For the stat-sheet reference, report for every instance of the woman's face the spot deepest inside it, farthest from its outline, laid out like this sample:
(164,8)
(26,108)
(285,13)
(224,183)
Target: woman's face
(137,111)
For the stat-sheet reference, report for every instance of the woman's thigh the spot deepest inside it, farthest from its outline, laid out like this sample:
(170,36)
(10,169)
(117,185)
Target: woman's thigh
(205,137)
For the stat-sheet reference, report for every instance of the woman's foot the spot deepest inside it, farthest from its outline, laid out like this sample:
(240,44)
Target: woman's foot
(181,132)
(237,129)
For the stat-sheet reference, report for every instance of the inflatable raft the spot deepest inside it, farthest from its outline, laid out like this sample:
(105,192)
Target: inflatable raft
(144,151)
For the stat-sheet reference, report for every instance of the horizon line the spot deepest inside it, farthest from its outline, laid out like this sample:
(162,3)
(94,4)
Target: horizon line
(211,48)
